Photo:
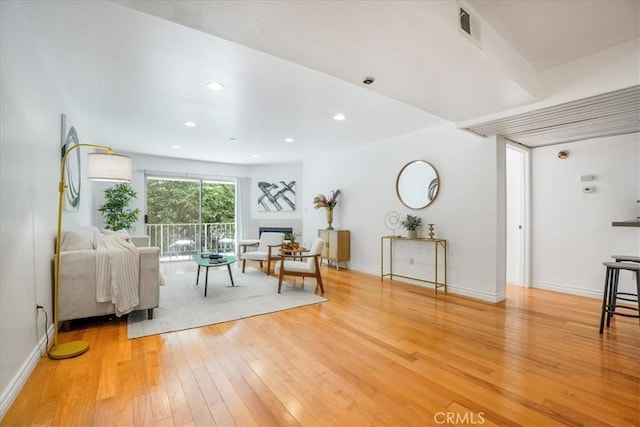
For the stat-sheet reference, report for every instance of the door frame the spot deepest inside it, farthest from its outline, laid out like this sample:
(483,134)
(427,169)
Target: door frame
(524,275)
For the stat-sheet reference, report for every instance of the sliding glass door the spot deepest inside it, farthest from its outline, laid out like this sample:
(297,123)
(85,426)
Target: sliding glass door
(186,216)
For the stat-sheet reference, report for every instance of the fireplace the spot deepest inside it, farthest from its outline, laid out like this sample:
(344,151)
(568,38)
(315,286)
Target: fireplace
(285,230)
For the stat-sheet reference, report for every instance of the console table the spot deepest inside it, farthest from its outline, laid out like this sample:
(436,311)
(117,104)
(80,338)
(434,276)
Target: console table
(440,245)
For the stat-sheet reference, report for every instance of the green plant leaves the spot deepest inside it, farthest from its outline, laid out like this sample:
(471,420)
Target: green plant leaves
(115,211)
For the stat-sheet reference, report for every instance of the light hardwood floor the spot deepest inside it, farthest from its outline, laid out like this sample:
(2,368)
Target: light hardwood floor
(375,353)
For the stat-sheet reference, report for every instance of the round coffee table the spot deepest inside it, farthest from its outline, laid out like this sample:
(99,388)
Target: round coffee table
(206,262)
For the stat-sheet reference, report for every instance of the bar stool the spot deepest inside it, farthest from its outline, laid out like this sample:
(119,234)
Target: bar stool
(611,294)
(626,258)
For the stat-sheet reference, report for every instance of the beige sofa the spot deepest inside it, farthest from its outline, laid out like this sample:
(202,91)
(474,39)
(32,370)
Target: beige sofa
(77,288)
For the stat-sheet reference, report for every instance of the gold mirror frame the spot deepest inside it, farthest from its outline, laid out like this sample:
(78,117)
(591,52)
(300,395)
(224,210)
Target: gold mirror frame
(417,184)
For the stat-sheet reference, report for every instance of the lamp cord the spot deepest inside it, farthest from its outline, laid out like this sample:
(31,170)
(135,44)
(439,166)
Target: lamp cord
(46,334)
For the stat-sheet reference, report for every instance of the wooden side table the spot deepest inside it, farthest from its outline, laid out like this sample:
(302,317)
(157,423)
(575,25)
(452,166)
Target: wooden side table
(336,246)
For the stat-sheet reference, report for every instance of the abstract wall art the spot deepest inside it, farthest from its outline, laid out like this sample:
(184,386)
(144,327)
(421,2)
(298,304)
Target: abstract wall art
(279,196)
(69,139)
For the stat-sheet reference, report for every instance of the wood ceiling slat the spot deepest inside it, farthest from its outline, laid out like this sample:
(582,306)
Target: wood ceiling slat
(609,114)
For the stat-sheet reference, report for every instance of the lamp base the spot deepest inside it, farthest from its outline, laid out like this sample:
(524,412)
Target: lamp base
(69,349)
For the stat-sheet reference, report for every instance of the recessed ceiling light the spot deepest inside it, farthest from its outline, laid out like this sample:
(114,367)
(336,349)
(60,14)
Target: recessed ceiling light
(215,86)
(339,116)
(190,124)
(175,147)
(255,156)
(288,140)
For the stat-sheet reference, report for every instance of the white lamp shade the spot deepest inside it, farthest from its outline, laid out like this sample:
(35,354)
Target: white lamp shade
(108,167)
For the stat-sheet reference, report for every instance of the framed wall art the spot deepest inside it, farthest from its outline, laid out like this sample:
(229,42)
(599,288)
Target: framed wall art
(279,196)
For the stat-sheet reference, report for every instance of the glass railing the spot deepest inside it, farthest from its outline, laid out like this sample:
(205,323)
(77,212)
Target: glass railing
(179,241)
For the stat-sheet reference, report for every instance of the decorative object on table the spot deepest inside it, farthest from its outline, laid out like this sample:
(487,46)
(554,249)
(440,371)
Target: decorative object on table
(321,201)
(115,210)
(105,167)
(291,240)
(276,196)
(431,232)
(411,223)
(392,221)
(417,184)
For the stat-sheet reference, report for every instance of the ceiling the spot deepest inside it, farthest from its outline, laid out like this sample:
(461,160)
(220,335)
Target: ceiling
(611,113)
(135,71)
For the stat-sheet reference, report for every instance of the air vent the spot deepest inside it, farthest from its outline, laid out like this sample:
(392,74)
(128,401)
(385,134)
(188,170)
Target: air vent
(465,21)
(468,26)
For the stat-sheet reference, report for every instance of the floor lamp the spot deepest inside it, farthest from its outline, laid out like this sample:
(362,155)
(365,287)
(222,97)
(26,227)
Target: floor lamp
(100,167)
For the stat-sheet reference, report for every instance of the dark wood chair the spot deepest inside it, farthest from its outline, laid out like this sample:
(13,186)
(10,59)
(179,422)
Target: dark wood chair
(302,265)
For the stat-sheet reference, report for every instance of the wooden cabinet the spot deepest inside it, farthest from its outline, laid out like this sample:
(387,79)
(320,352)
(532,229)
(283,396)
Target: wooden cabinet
(336,246)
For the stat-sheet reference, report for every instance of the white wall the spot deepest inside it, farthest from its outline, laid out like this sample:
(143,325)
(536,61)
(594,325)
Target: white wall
(571,231)
(276,173)
(31,105)
(179,167)
(465,211)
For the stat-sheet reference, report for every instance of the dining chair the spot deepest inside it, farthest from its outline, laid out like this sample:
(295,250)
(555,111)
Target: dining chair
(268,250)
(302,265)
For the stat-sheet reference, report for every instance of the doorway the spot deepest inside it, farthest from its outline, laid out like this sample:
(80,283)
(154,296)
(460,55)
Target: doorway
(185,216)
(518,219)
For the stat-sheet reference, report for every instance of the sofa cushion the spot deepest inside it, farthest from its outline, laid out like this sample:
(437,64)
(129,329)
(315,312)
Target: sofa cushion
(80,238)
(76,240)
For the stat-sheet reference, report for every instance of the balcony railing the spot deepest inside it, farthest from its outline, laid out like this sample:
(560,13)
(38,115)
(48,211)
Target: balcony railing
(181,240)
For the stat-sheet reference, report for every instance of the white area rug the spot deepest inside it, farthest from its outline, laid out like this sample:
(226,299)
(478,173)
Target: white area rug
(183,305)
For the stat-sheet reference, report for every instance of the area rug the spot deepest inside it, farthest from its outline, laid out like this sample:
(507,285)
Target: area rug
(183,305)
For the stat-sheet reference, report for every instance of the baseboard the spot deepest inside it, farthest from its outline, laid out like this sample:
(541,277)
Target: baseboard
(475,294)
(583,292)
(362,269)
(18,381)
(458,290)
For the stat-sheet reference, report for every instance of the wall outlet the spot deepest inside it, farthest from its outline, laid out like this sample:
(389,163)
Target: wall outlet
(411,261)
(589,189)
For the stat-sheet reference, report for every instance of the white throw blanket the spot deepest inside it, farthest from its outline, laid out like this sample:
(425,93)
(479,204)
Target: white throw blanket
(117,273)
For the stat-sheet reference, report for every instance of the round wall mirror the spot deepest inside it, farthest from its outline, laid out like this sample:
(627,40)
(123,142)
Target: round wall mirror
(417,184)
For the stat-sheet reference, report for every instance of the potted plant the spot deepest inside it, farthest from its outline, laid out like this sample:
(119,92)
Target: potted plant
(115,210)
(411,224)
(292,240)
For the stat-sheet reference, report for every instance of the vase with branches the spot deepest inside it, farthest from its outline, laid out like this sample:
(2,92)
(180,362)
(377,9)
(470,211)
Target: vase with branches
(328,203)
